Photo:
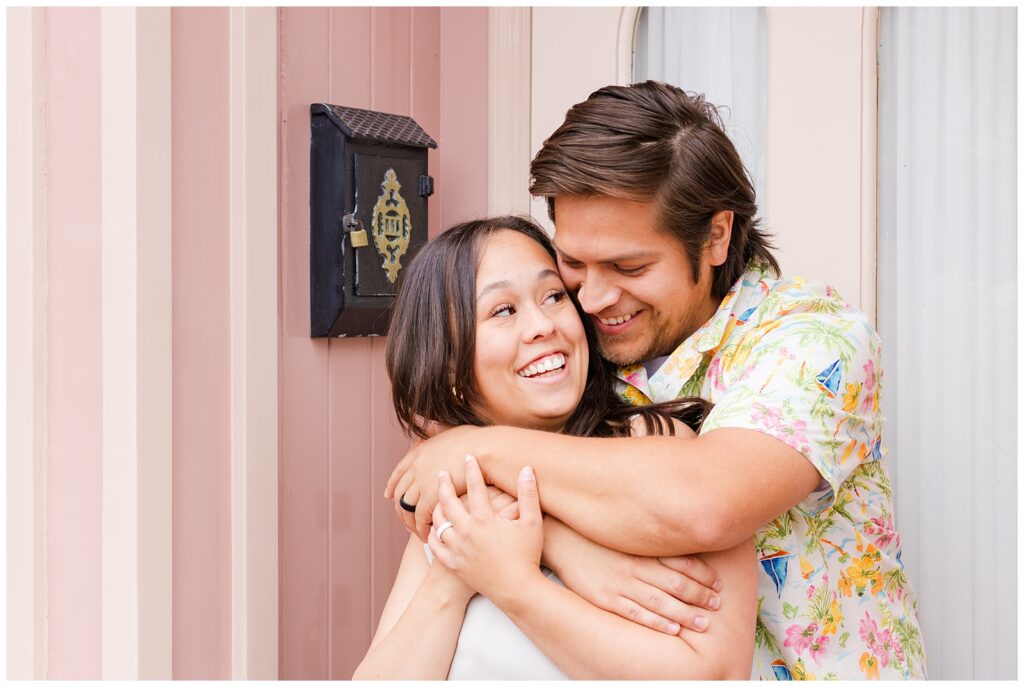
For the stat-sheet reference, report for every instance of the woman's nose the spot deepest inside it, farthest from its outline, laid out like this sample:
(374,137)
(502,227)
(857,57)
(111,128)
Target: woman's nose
(538,325)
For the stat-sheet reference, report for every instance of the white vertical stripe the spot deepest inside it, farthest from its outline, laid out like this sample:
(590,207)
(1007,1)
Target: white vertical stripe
(508,129)
(947,289)
(253,294)
(26,346)
(136,272)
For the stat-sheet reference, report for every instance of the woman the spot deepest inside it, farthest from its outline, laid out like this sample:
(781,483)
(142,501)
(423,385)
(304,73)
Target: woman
(485,333)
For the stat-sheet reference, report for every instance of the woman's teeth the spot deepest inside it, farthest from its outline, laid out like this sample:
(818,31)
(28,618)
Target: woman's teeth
(615,320)
(543,366)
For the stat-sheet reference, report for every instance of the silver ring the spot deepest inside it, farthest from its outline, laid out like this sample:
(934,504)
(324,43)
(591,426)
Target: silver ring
(442,529)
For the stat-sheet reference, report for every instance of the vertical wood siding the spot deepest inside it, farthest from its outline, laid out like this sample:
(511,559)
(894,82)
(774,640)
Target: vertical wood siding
(340,542)
(201,344)
(74,390)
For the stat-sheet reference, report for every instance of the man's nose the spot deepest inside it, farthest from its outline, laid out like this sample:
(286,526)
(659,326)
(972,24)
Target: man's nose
(596,294)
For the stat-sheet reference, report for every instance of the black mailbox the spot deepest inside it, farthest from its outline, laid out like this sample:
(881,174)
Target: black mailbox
(368,194)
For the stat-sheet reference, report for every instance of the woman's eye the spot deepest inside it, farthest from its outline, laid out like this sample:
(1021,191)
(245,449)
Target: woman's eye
(555,296)
(503,310)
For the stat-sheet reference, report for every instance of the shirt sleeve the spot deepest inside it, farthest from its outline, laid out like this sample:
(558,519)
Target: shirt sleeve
(810,379)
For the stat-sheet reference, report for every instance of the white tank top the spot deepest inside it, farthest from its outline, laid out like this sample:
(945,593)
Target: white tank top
(492,647)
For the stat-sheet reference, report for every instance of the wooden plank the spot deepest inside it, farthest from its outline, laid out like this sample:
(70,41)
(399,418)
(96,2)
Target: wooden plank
(350,425)
(303,417)
(201,350)
(74,389)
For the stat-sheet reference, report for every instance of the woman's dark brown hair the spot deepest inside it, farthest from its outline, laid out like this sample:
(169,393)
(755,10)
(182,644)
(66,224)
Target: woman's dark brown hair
(653,141)
(432,340)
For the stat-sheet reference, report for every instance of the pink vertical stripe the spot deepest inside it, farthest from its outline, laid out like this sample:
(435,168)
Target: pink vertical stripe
(425,83)
(201,345)
(303,368)
(464,59)
(74,467)
(391,93)
(349,388)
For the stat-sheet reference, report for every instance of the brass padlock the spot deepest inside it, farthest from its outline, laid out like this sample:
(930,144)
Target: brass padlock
(354,228)
(359,238)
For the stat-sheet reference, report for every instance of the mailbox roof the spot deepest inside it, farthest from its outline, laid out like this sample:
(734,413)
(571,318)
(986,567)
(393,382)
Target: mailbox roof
(377,126)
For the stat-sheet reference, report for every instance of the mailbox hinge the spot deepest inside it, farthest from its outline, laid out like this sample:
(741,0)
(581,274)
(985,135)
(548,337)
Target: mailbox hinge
(426,185)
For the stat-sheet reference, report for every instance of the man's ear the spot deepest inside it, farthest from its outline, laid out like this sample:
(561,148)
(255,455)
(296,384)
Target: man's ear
(717,247)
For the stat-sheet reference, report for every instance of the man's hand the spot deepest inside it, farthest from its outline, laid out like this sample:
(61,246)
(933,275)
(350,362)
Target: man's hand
(415,476)
(660,593)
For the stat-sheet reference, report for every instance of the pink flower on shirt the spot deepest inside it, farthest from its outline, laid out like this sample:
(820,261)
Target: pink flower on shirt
(818,648)
(868,631)
(869,372)
(800,637)
(771,418)
(883,645)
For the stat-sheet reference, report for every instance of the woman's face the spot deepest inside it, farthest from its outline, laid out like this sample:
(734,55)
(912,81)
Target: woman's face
(531,351)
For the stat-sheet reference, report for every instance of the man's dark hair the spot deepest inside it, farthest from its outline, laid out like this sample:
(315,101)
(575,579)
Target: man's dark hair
(653,141)
(432,343)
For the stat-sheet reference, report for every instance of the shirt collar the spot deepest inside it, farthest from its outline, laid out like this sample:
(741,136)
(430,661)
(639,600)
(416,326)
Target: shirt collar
(666,383)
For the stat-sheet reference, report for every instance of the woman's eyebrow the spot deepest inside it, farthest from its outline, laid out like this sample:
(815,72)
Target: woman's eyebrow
(505,284)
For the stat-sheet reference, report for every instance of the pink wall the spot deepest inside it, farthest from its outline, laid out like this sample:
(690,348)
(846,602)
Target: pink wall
(340,542)
(201,540)
(74,468)
(464,60)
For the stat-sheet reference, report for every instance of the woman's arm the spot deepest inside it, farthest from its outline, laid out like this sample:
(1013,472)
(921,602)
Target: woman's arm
(499,559)
(419,626)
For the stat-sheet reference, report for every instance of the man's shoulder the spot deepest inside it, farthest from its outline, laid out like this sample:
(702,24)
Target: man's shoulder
(804,299)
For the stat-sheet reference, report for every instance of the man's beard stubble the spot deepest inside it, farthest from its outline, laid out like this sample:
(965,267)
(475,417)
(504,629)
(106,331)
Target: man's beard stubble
(663,344)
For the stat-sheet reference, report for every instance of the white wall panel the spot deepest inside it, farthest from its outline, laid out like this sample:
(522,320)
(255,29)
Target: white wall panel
(947,283)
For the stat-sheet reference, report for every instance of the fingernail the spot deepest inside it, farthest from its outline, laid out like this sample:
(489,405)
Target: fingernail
(714,603)
(442,474)
(469,458)
(700,622)
(527,473)
(673,628)
(717,586)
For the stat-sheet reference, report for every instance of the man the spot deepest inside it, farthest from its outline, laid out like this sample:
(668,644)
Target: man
(656,234)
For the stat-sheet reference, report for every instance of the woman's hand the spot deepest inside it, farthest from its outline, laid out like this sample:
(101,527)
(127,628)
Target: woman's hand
(491,554)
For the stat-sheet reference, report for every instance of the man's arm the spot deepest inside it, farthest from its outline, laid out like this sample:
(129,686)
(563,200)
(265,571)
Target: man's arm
(649,496)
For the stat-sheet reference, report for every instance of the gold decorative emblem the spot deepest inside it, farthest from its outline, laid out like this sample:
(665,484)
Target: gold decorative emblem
(391,225)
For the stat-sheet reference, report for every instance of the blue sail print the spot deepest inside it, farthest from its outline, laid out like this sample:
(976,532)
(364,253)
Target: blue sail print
(777,567)
(829,379)
(746,315)
(781,670)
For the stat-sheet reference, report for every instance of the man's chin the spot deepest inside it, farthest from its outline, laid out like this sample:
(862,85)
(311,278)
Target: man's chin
(619,352)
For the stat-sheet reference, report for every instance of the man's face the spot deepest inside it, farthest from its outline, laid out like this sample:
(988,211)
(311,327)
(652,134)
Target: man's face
(634,280)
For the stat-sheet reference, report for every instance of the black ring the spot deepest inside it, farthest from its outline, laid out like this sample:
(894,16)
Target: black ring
(406,506)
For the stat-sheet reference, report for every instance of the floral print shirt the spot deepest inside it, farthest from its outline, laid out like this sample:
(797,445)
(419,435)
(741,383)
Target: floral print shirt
(789,358)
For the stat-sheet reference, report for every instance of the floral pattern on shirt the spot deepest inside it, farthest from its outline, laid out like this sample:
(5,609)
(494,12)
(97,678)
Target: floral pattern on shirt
(791,359)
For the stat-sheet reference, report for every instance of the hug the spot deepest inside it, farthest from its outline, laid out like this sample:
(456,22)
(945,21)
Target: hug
(643,452)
